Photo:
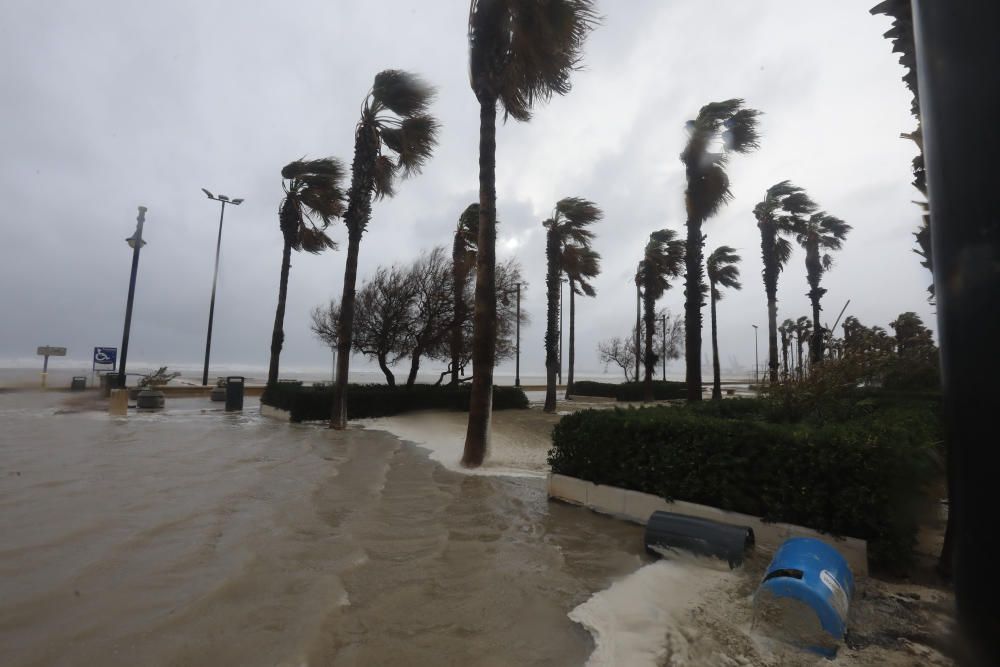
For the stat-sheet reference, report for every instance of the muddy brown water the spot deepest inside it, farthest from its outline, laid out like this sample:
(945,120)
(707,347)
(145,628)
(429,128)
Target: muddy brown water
(196,537)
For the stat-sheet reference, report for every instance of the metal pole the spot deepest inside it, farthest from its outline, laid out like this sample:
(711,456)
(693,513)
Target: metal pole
(517,346)
(211,306)
(957,52)
(756,358)
(136,247)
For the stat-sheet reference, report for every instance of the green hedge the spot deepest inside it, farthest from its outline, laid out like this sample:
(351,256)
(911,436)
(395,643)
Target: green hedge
(629,391)
(379,400)
(863,478)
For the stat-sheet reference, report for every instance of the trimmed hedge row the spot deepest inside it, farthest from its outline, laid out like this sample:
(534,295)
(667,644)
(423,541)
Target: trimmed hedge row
(862,478)
(379,400)
(629,391)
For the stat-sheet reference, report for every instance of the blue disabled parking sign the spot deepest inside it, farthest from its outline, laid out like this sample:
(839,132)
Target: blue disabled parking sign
(105,356)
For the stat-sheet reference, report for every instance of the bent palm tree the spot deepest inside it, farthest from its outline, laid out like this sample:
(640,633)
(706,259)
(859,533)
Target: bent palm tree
(568,226)
(581,264)
(519,52)
(463,258)
(780,213)
(394,121)
(313,198)
(722,272)
(707,191)
(662,260)
(819,232)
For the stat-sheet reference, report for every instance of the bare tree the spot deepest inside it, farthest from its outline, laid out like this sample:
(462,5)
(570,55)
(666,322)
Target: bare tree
(382,324)
(620,352)
(432,310)
(325,320)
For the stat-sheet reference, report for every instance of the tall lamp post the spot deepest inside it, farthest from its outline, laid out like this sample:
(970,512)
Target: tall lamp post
(223,199)
(517,344)
(562,282)
(135,242)
(756,362)
(663,346)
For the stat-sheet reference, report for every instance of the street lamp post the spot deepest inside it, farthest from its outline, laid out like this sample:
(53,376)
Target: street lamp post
(223,199)
(562,282)
(135,242)
(756,361)
(663,346)
(517,344)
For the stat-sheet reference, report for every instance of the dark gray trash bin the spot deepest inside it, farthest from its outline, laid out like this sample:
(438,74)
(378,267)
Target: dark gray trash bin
(79,383)
(234,392)
(701,536)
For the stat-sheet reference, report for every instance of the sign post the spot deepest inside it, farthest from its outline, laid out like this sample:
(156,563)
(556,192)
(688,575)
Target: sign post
(49,351)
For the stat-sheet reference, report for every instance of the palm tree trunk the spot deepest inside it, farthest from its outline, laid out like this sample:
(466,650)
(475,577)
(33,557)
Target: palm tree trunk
(784,355)
(278,335)
(458,276)
(649,358)
(693,300)
(638,331)
(716,373)
(572,339)
(551,319)
(814,271)
(767,246)
(345,328)
(390,379)
(484,333)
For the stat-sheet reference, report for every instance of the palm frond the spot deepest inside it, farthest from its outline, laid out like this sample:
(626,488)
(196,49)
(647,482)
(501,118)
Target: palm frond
(521,51)
(468,226)
(782,251)
(314,240)
(384,177)
(741,134)
(709,191)
(722,267)
(403,93)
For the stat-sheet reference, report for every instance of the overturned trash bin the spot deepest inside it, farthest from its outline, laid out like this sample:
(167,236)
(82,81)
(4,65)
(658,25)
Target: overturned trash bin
(805,596)
(666,530)
(234,392)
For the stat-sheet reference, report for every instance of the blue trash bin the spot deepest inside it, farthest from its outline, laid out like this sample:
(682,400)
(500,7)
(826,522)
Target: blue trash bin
(815,574)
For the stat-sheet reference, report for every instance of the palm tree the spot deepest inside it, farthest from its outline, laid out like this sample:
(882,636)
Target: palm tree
(722,272)
(782,210)
(568,226)
(519,52)
(581,264)
(662,260)
(463,258)
(707,190)
(313,198)
(802,329)
(394,122)
(786,330)
(820,231)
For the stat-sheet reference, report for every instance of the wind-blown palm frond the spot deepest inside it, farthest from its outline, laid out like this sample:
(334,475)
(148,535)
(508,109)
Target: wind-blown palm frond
(313,198)
(829,231)
(782,252)
(403,93)
(572,217)
(662,260)
(581,264)
(723,270)
(521,51)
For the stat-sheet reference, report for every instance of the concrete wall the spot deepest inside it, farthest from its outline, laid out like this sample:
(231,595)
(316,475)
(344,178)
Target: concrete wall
(637,506)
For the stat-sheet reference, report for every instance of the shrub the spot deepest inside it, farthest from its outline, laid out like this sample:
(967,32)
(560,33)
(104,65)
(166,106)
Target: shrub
(379,400)
(863,477)
(629,391)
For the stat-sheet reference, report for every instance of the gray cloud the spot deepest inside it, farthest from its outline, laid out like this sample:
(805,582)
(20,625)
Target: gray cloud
(120,104)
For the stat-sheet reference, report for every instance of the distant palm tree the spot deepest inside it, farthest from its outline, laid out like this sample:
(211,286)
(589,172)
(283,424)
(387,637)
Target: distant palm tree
(662,260)
(786,330)
(463,258)
(394,121)
(313,198)
(803,330)
(783,209)
(820,231)
(568,226)
(581,264)
(519,52)
(707,190)
(722,272)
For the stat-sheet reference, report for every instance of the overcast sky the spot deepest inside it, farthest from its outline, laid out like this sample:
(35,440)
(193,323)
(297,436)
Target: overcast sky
(112,105)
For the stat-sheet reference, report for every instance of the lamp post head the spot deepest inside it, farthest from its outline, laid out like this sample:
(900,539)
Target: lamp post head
(208,194)
(236,202)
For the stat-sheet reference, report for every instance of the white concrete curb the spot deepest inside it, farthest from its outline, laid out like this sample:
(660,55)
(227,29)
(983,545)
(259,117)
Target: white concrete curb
(275,413)
(636,506)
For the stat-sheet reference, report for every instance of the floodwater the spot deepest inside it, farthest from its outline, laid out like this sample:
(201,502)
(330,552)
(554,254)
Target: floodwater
(197,537)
